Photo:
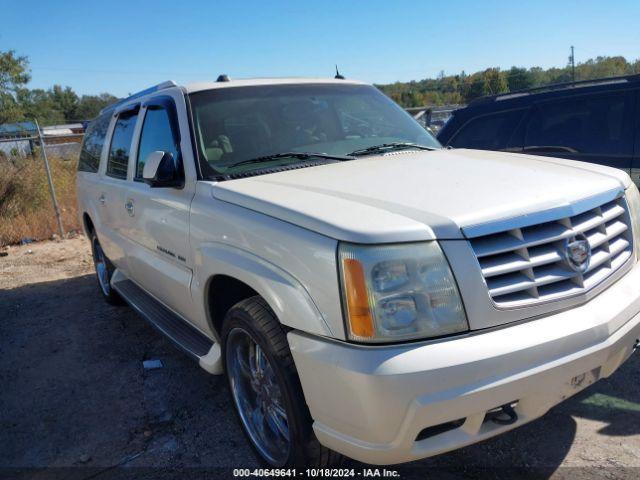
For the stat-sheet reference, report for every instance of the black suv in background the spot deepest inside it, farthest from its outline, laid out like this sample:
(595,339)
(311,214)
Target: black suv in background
(593,121)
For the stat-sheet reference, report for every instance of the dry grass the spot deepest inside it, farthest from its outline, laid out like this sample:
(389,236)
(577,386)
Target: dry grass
(26,210)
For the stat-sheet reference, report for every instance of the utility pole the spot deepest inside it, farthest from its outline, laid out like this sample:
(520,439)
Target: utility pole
(572,61)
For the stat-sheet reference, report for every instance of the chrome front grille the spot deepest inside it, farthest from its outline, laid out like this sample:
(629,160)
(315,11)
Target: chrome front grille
(528,265)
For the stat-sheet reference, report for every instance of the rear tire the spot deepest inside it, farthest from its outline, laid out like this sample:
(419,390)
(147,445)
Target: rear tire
(266,391)
(104,271)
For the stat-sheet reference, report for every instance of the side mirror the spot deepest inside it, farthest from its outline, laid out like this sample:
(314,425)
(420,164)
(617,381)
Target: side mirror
(160,171)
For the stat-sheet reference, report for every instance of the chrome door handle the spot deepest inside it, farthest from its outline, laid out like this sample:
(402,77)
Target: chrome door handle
(129,207)
(102,199)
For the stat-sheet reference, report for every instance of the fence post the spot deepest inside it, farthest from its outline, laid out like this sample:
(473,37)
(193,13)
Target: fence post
(51,187)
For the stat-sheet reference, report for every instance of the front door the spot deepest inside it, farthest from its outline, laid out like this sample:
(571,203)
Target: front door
(157,222)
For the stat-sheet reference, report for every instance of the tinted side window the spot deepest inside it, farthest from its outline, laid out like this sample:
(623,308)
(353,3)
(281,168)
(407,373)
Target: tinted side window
(92,144)
(488,132)
(156,135)
(121,145)
(586,124)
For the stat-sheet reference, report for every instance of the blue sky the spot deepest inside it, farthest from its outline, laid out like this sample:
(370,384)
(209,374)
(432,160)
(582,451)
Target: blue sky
(124,46)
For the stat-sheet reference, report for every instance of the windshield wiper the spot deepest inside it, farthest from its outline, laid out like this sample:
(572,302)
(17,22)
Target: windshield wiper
(297,155)
(390,146)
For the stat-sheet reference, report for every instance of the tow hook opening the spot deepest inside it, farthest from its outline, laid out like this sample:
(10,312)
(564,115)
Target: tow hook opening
(440,428)
(636,344)
(502,415)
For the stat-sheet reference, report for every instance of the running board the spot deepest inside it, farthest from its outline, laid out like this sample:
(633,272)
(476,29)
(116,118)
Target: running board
(194,343)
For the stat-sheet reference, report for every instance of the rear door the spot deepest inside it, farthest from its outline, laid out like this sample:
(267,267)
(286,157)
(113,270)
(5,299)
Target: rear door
(111,193)
(157,219)
(594,128)
(91,156)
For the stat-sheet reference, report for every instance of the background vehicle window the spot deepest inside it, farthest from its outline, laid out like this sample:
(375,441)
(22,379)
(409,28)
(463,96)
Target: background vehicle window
(156,135)
(121,145)
(587,124)
(488,132)
(92,144)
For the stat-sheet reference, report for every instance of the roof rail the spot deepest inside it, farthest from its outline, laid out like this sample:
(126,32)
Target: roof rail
(141,93)
(556,86)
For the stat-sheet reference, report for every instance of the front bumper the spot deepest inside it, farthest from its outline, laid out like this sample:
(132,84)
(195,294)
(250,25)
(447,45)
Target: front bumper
(371,403)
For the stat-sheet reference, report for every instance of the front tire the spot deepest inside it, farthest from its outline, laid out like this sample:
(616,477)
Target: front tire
(104,271)
(266,391)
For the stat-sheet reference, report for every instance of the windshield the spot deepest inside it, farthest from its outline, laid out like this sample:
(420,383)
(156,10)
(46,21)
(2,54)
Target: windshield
(235,125)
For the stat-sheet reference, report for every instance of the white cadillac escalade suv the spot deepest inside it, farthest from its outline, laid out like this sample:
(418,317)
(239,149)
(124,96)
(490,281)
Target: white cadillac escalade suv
(366,292)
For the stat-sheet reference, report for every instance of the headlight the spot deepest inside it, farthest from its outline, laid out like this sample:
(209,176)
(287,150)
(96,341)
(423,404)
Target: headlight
(633,200)
(399,292)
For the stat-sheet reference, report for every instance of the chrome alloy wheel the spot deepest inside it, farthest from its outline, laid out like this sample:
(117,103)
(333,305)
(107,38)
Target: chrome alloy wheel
(100,262)
(258,396)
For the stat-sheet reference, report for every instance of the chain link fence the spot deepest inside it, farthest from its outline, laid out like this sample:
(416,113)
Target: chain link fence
(27,210)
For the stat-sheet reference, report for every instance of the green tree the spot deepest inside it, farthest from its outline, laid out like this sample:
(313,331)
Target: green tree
(519,79)
(494,82)
(538,76)
(467,87)
(412,98)
(89,106)
(602,67)
(14,74)
(66,101)
(14,71)
(473,87)
(39,105)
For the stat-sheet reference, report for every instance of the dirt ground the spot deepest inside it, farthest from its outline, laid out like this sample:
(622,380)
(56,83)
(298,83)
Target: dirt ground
(75,401)
(44,262)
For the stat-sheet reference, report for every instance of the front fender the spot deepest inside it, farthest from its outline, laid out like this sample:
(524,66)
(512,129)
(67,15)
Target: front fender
(286,296)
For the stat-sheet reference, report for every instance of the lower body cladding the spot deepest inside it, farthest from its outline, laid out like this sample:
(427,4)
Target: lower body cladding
(393,404)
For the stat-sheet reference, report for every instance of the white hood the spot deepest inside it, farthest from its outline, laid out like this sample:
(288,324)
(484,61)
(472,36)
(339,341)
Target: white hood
(426,195)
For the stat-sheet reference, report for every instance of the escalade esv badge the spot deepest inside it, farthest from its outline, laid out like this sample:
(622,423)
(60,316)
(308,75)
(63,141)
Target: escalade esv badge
(577,251)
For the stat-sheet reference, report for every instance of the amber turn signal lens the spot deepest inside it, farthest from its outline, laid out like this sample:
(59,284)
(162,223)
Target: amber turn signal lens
(360,319)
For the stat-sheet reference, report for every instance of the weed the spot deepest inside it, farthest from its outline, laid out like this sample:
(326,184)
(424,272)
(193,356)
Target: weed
(26,209)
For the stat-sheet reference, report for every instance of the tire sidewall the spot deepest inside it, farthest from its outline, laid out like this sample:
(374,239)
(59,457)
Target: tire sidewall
(290,388)
(112,298)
